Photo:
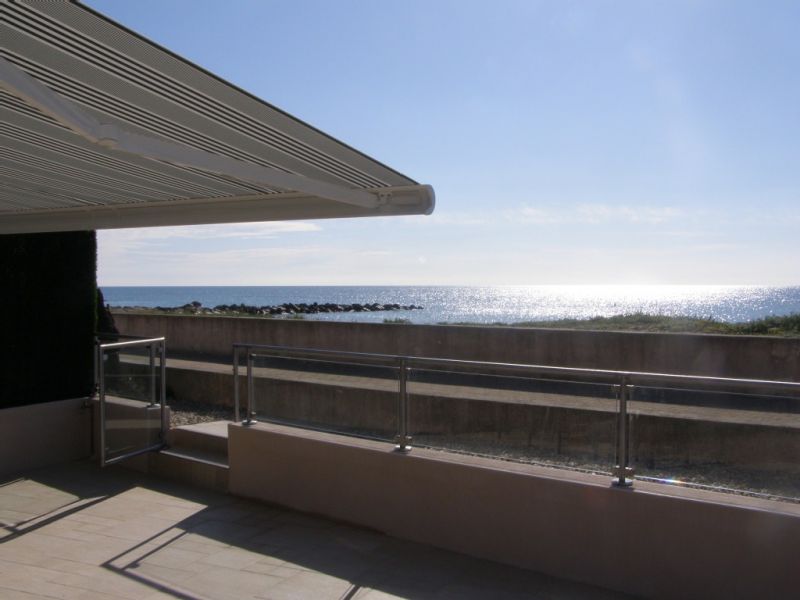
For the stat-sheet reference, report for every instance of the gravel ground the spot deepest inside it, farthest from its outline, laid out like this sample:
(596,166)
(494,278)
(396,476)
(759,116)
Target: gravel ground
(188,412)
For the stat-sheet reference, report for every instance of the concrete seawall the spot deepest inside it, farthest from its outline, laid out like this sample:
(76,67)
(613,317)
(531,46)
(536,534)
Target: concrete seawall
(754,357)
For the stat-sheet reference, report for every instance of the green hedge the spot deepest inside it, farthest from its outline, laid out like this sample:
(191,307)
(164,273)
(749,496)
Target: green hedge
(47,314)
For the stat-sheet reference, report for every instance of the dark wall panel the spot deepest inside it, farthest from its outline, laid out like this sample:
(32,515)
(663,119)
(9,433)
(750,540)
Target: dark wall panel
(47,316)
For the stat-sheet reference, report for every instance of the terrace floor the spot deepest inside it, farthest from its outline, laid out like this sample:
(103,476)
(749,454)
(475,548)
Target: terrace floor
(77,531)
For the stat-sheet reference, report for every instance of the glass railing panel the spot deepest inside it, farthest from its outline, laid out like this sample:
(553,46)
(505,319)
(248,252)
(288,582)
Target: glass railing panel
(340,396)
(555,422)
(746,442)
(132,400)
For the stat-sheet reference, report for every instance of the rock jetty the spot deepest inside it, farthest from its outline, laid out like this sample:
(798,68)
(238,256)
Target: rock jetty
(288,308)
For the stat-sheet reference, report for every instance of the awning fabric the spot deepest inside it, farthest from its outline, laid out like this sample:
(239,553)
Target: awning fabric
(102,128)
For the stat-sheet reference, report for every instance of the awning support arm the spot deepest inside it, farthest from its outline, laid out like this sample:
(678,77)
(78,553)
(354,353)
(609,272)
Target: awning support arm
(17,82)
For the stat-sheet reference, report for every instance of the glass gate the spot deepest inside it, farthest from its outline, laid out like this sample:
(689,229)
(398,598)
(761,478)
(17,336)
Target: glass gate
(130,377)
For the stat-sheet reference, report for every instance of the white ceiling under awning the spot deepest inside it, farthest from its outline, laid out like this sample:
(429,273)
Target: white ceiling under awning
(103,129)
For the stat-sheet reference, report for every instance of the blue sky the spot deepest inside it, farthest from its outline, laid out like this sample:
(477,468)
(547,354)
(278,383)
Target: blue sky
(568,142)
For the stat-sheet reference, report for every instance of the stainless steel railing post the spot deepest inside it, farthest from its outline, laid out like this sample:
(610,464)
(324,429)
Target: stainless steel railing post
(623,473)
(151,350)
(101,395)
(162,367)
(236,418)
(95,380)
(250,389)
(402,440)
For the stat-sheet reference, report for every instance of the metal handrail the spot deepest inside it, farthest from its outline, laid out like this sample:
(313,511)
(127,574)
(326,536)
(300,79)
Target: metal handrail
(614,376)
(623,383)
(132,343)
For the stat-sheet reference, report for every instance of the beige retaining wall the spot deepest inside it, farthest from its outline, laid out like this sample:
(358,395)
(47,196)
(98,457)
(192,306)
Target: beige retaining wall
(678,544)
(39,435)
(714,355)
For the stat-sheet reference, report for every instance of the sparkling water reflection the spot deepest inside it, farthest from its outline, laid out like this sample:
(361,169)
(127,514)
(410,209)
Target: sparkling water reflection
(495,304)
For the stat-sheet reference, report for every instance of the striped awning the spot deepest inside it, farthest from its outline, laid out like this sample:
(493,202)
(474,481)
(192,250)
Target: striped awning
(102,128)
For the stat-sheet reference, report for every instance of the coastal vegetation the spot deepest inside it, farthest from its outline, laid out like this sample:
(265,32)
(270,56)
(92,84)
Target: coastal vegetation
(788,325)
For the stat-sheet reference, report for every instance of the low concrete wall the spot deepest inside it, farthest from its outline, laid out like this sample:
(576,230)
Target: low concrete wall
(713,355)
(679,544)
(39,435)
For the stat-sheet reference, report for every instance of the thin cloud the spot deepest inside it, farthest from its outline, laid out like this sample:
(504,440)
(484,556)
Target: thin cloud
(595,213)
(442,219)
(149,265)
(536,216)
(603,213)
(119,241)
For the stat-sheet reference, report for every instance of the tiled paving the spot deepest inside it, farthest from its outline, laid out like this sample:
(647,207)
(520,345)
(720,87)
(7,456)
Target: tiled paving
(80,532)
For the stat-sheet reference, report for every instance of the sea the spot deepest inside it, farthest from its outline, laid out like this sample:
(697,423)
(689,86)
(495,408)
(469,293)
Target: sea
(487,304)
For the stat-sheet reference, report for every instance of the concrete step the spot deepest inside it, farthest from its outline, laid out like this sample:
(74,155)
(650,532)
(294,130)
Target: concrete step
(195,454)
(190,469)
(204,440)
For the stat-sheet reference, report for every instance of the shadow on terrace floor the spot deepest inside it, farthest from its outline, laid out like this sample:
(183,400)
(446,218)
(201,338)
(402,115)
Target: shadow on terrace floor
(79,531)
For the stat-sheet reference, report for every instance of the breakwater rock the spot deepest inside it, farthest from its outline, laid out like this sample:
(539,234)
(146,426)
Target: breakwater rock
(288,308)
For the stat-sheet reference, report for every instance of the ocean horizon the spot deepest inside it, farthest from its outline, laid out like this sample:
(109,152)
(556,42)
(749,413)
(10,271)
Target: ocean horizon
(487,304)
